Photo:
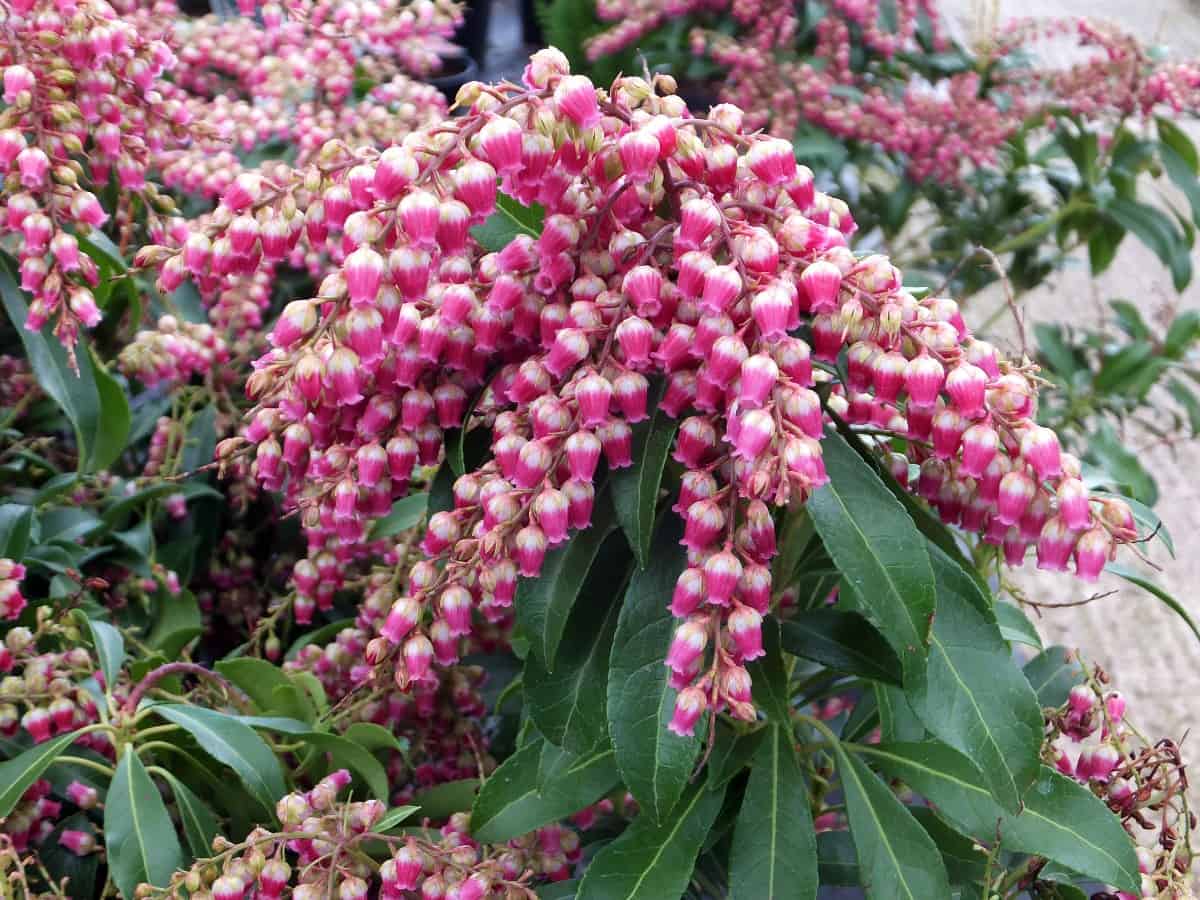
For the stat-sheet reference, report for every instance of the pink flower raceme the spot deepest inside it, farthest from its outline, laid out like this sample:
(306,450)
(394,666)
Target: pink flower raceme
(556,336)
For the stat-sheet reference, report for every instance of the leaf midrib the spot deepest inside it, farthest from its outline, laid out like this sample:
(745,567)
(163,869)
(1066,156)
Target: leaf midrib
(665,843)
(878,823)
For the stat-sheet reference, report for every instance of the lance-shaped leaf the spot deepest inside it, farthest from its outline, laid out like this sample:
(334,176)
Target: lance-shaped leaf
(1052,674)
(655,764)
(841,640)
(877,548)
(653,861)
(635,488)
(91,399)
(407,512)
(1062,820)
(138,834)
(199,822)
(770,676)
(18,773)
(774,854)
(897,858)
(972,696)
(510,219)
(544,603)
(515,800)
(109,644)
(233,743)
(568,705)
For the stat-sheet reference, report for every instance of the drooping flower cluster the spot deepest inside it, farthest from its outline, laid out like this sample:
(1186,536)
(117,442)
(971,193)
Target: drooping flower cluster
(317,854)
(173,352)
(675,247)
(11,600)
(84,101)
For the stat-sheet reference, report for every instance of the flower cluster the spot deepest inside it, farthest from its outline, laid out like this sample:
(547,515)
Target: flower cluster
(317,854)
(84,85)
(847,73)
(1091,740)
(685,249)
(11,601)
(173,352)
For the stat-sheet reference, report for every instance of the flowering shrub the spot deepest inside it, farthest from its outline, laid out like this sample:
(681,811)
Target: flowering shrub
(546,503)
(944,148)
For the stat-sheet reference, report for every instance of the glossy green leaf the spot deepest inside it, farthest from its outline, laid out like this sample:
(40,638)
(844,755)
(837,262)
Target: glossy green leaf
(1052,674)
(178,623)
(558,890)
(375,737)
(233,743)
(199,822)
(1183,332)
(509,220)
(395,817)
(18,773)
(965,860)
(653,860)
(841,640)
(896,857)
(407,512)
(774,852)
(972,696)
(897,720)
(346,753)
(1157,232)
(138,834)
(270,688)
(635,489)
(1176,138)
(769,676)
(92,400)
(1155,590)
(16,524)
(837,861)
(568,705)
(732,753)
(880,553)
(1062,820)
(1182,176)
(515,800)
(444,800)
(109,644)
(1015,626)
(280,724)
(543,604)
(80,871)
(655,764)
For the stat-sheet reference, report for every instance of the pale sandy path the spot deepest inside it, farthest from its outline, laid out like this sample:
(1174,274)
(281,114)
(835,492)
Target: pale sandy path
(1155,661)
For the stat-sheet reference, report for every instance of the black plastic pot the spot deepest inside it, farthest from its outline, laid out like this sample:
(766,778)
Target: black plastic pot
(456,71)
(472,35)
(531,26)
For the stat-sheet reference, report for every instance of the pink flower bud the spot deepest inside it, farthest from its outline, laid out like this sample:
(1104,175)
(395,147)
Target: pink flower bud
(820,284)
(1040,448)
(581,497)
(751,434)
(1055,545)
(773,309)
(81,843)
(689,706)
(722,572)
(631,392)
(703,524)
(979,446)
(745,628)
(773,160)
(243,193)
(1091,553)
(760,374)
(570,347)
(639,154)
(688,593)
(923,380)
(1073,504)
(364,271)
(500,143)
(395,170)
(529,549)
(687,645)
(722,284)
(575,97)
(17,80)
(33,165)
(966,385)
(419,217)
(594,395)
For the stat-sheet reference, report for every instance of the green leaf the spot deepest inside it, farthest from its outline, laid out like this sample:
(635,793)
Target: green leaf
(1182,333)
(268,686)
(92,400)
(774,853)
(233,743)
(374,737)
(1176,138)
(1156,590)
(109,645)
(407,512)
(510,219)
(199,822)
(770,676)
(966,861)
(880,553)
(16,525)
(1157,232)
(394,817)
(655,764)
(896,857)
(635,489)
(1062,820)
(568,705)
(60,863)
(1182,176)
(1129,317)
(1115,457)
(352,756)
(652,860)
(321,635)
(897,720)
(559,890)
(841,640)
(1052,674)
(444,800)
(138,834)
(515,801)
(282,724)
(1015,626)
(18,773)
(731,754)
(837,860)
(972,696)
(544,603)
(177,624)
